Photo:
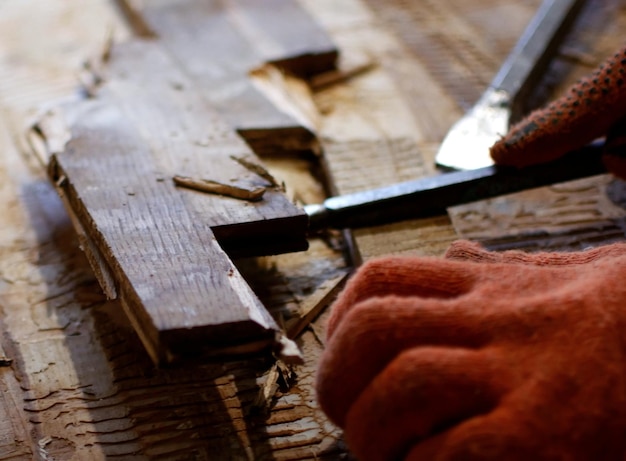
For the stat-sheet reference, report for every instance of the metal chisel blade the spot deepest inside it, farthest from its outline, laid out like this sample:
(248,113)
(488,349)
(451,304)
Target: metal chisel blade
(466,146)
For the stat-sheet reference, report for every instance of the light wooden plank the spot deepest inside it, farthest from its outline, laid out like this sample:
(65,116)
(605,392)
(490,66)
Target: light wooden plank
(219,43)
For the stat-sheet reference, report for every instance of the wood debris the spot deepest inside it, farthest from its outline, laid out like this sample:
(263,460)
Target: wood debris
(214,187)
(258,169)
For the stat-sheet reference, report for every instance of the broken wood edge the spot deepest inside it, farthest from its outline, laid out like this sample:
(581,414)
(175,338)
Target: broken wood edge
(283,141)
(288,93)
(280,376)
(214,187)
(287,350)
(341,75)
(259,170)
(307,65)
(132,13)
(96,260)
(314,304)
(48,134)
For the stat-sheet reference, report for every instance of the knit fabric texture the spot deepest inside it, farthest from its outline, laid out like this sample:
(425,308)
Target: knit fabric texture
(481,356)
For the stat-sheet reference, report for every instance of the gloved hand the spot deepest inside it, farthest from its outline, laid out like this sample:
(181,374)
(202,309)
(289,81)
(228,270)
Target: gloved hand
(593,107)
(481,356)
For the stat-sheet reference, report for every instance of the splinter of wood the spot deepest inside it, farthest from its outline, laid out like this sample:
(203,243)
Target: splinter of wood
(214,187)
(257,169)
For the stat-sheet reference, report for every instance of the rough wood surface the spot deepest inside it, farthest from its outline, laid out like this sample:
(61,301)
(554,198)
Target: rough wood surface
(163,246)
(80,385)
(219,43)
(152,117)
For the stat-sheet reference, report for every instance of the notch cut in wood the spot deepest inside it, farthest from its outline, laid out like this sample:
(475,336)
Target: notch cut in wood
(219,42)
(164,251)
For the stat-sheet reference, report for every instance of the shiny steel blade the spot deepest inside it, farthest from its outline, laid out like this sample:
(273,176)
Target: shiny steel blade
(467,144)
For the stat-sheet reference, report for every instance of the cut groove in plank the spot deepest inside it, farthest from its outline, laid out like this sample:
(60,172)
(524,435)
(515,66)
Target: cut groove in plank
(217,43)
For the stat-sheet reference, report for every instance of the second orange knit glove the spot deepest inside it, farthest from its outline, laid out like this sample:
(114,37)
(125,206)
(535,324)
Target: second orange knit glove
(481,356)
(593,107)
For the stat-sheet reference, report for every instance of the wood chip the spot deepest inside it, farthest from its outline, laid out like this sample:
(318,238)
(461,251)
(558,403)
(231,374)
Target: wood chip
(257,169)
(214,187)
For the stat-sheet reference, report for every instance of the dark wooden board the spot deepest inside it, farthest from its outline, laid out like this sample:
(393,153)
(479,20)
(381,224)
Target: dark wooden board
(178,286)
(157,246)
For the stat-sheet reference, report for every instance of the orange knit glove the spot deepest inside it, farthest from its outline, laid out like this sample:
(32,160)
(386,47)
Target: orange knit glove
(594,107)
(481,356)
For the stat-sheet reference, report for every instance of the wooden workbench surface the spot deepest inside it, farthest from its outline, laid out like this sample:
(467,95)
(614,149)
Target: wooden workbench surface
(75,380)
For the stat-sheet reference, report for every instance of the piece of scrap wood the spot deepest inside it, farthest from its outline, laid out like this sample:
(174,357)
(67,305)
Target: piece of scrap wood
(163,251)
(189,139)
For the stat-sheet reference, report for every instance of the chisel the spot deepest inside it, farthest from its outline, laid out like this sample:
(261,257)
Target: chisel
(466,146)
(433,195)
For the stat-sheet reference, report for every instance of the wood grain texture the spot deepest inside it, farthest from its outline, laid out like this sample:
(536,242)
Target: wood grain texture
(218,43)
(81,385)
(461,46)
(177,284)
(368,133)
(153,122)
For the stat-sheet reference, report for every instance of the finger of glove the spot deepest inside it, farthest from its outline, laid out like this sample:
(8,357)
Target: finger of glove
(419,394)
(494,436)
(402,276)
(585,112)
(379,329)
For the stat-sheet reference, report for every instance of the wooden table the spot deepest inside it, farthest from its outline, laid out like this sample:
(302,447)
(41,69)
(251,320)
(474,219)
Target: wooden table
(76,382)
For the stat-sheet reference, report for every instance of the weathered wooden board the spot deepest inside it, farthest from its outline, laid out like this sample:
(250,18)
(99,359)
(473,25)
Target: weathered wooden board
(158,245)
(81,385)
(218,43)
(155,119)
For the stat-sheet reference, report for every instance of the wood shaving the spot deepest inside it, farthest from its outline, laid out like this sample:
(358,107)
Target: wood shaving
(214,187)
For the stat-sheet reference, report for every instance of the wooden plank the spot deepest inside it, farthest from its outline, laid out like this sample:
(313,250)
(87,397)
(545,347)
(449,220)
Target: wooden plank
(181,136)
(157,244)
(219,43)
(197,143)
(177,285)
(565,217)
